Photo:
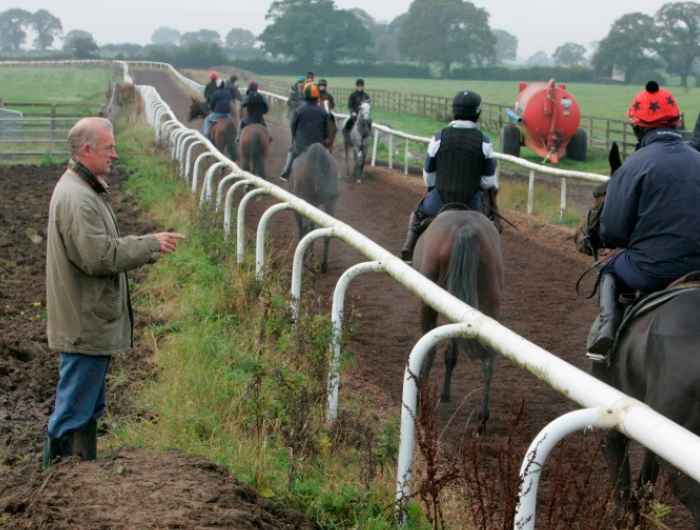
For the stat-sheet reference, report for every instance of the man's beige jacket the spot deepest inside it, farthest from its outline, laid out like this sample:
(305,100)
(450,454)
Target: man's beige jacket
(87,296)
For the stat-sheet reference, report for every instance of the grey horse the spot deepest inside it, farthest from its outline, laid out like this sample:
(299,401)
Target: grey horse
(358,139)
(314,178)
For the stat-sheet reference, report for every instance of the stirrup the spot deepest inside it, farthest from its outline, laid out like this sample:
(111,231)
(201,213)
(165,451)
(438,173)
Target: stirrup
(597,357)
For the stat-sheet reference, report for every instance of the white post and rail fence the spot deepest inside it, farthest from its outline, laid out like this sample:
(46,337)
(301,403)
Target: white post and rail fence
(601,405)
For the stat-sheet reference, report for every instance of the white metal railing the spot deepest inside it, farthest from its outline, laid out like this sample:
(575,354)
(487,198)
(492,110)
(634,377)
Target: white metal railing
(611,408)
(603,405)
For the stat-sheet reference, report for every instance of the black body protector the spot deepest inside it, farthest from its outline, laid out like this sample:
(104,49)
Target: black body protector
(460,164)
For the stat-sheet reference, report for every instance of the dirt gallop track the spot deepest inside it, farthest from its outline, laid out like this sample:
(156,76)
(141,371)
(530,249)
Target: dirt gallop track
(540,303)
(540,274)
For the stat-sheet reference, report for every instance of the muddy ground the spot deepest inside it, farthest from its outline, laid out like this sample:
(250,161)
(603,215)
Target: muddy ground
(129,489)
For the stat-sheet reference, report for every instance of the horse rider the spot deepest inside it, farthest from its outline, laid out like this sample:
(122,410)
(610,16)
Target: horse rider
(355,100)
(310,78)
(221,100)
(233,86)
(309,126)
(211,86)
(458,166)
(326,99)
(650,212)
(296,94)
(255,105)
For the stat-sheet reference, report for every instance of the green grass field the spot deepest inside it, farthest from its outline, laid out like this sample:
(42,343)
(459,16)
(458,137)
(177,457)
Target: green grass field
(603,101)
(83,88)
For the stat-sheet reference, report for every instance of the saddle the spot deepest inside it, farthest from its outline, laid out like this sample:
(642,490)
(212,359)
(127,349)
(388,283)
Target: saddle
(452,206)
(641,304)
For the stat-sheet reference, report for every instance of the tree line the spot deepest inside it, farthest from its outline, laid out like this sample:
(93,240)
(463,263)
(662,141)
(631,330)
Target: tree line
(433,37)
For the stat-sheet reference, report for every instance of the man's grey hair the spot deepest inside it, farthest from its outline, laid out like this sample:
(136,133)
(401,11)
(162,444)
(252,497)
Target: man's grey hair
(85,133)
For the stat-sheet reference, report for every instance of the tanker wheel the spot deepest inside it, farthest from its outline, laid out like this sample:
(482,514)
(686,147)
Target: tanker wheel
(510,140)
(577,149)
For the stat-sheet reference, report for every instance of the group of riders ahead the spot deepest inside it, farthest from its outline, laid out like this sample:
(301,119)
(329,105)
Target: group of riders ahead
(649,210)
(309,103)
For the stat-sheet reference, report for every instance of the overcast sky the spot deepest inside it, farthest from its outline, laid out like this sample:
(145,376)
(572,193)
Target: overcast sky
(538,24)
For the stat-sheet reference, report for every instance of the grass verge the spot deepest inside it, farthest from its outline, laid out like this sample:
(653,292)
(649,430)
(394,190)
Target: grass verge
(237,383)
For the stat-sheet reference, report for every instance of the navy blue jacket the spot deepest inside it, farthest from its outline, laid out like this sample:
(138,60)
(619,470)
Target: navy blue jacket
(652,207)
(221,100)
(309,126)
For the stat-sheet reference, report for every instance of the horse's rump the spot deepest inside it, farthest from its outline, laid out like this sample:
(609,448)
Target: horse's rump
(315,175)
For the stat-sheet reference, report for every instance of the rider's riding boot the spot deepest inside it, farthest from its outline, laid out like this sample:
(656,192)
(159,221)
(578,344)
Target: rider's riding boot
(411,237)
(287,167)
(608,321)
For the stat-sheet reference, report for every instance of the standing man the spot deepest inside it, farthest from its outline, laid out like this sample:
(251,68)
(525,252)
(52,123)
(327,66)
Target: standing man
(309,126)
(354,101)
(458,166)
(87,290)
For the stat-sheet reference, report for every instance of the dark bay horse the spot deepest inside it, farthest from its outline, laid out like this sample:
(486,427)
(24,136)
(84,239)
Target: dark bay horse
(357,138)
(223,132)
(461,252)
(657,361)
(314,178)
(254,147)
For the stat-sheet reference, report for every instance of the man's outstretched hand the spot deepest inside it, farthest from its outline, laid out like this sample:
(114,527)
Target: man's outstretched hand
(168,241)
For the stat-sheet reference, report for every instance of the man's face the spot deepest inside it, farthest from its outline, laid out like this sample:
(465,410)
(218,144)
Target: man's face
(99,159)
(322,88)
(360,88)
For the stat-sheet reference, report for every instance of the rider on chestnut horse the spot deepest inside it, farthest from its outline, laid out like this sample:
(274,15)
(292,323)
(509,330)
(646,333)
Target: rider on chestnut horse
(309,126)
(459,165)
(650,212)
(220,104)
(255,105)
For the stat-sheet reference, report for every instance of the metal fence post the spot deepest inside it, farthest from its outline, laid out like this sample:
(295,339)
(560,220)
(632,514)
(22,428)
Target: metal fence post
(374,147)
(298,265)
(391,151)
(240,227)
(531,193)
(538,452)
(337,322)
(261,235)
(562,200)
(405,158)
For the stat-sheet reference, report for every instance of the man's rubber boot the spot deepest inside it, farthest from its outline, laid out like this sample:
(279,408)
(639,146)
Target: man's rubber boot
(85,442)
(56,448)
(411,237)
(608,321)
(287,168)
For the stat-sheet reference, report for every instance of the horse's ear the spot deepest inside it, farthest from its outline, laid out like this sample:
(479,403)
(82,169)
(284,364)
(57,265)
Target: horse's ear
(614,158)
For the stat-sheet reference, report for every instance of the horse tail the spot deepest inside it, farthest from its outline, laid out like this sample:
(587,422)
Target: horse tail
(256,155)
(322,169)
(463,270)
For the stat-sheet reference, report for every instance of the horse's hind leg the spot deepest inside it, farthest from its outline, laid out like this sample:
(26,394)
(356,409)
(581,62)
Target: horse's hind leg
(618,464)
(451,354)
(487,369)
(688,492)
(330,210)
(347,157)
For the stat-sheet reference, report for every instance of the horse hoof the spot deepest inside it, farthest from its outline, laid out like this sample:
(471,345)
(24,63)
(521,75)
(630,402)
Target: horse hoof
(358,181)
(444,398)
